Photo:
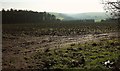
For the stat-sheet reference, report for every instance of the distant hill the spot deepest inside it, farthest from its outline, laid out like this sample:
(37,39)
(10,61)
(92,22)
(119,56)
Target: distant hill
(62,16)
(78,16)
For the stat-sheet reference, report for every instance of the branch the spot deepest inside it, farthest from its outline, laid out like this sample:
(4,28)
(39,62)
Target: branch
(114,4)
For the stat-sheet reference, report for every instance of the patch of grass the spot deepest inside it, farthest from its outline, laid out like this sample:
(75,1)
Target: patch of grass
(94,53)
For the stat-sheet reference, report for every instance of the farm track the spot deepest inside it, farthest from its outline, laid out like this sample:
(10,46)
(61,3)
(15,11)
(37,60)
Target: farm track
(17,48)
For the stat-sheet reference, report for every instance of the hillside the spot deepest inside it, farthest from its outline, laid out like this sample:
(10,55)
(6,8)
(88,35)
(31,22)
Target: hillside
(62,16)
(77,16)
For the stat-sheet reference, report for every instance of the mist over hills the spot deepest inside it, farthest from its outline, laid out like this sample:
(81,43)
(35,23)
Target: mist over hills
(62,16)
(78,16)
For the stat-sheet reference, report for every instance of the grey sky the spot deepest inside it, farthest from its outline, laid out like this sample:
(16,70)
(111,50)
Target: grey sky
(64,6)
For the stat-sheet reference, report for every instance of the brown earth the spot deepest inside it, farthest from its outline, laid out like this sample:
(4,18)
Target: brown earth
(18,49)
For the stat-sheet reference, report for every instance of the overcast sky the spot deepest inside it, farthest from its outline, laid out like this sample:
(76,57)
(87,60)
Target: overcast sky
(62,6)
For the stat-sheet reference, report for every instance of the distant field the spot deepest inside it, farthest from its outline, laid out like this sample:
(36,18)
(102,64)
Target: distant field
(63,28)
(63,45)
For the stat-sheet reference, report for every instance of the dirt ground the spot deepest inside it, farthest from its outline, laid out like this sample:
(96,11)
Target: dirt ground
(17,48)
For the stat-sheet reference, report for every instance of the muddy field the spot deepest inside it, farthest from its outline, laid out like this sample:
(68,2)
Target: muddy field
(20,48)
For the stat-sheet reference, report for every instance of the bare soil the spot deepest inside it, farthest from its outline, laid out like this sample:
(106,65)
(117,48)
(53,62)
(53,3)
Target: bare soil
(17,49)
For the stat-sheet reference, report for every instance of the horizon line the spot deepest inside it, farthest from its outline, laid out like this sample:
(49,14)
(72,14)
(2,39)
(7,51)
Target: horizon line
(52,11)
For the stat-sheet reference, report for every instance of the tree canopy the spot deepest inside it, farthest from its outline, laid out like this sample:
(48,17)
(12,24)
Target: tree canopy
(24,16)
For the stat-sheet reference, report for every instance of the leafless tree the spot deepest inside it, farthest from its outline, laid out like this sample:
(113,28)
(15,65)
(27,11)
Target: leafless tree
(112,7)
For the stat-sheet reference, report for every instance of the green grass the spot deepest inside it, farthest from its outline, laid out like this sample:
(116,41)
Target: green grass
(69,57)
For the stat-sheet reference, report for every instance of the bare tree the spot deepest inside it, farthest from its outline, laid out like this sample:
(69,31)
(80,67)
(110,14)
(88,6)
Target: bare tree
(112,7)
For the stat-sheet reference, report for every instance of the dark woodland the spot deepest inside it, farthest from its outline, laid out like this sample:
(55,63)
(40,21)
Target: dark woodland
(24,16)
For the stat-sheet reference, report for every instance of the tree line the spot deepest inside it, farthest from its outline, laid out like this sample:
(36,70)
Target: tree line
(13,16)
(23,16)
